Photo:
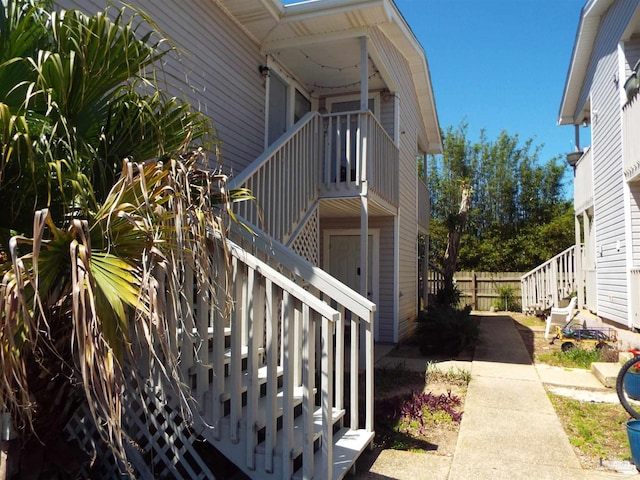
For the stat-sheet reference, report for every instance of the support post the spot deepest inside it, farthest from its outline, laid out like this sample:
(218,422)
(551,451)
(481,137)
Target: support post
(577,264)
(364,206)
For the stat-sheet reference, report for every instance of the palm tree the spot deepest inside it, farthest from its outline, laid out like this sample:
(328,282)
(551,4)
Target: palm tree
(102,188)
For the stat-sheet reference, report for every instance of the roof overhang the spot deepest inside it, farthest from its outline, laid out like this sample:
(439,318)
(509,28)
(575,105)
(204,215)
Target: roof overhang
(316,38)
(570,111)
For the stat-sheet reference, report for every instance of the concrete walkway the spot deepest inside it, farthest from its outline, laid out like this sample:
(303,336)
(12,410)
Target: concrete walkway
(509,429)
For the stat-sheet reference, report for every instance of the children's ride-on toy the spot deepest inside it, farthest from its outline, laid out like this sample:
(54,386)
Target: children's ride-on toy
(575,333)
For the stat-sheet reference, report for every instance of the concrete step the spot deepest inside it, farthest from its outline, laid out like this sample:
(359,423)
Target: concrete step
(606,372)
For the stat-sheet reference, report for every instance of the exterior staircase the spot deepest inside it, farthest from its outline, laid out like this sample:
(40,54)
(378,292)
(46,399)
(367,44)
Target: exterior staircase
(282,400)
(544,286)
(281,382)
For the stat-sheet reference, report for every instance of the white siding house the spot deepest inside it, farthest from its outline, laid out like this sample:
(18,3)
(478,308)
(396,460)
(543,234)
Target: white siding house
(601,92)
(322,108)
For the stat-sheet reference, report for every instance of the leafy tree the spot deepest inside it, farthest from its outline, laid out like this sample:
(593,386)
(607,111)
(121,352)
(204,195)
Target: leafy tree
(101,189)
(518,216)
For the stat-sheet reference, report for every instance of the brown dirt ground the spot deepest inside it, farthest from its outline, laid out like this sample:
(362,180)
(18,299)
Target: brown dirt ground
(442,437)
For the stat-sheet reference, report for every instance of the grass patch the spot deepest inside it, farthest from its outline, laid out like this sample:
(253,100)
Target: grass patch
(527,320)
(597,430)
(453,376)
(574,358)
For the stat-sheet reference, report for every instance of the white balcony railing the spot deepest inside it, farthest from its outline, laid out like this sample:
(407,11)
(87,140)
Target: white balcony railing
(284,180)
(357,147)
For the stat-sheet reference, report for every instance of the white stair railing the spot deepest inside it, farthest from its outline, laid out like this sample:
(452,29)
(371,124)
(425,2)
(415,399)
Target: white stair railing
(284,179)
(275,397)
(550,282)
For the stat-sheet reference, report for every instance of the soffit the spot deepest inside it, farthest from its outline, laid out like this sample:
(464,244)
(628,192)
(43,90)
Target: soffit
(318,42)
(582,50)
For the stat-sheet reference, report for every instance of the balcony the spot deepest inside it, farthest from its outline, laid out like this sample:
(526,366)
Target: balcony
(358,149)
(336,156)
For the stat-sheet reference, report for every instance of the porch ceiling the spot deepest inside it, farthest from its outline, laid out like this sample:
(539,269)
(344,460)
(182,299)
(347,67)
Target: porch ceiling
(330,67)
(319,43)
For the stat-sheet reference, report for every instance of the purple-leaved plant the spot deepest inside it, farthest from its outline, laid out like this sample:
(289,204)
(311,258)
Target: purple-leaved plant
(412,414)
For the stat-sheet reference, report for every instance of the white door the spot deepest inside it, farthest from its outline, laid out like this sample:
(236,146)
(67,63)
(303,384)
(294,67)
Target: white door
(344,261)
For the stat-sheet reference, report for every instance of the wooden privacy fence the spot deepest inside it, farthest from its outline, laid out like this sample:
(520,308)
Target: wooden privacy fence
(481,289)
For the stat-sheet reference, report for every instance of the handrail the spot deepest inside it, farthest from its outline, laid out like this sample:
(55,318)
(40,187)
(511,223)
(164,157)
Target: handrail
(347,301)
(545,264)
(284,179)
(546,284)
(276,328)
(307,272)
(278,279)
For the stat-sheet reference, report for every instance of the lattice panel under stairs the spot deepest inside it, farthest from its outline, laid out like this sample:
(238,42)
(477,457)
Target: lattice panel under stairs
(161,445)
(306,242)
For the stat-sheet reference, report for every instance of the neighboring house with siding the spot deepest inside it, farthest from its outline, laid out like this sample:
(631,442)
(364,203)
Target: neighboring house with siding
(599,92)
(323,109)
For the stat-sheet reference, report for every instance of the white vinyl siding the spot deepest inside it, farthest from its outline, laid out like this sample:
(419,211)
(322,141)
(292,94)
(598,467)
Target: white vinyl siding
(409,123)
(220,65)
(388,115)
(608,178)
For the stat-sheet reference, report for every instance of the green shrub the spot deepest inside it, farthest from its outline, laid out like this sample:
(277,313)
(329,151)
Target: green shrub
(449,296)
(446,331)
(506,300)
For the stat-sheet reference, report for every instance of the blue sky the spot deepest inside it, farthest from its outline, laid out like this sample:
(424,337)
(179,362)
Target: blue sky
(500,64)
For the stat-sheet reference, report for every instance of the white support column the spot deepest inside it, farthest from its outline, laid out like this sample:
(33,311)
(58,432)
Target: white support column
(364,206)
(588,261)
(580,277)
(364,75)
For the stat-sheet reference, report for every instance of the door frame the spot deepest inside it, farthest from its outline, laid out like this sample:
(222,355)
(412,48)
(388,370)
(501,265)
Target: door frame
(375,262)
(292,86)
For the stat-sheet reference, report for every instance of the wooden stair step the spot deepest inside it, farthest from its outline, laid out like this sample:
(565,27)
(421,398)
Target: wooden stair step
(298,432)
(261,420)
(244,381)
(244,352)
(347,447)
